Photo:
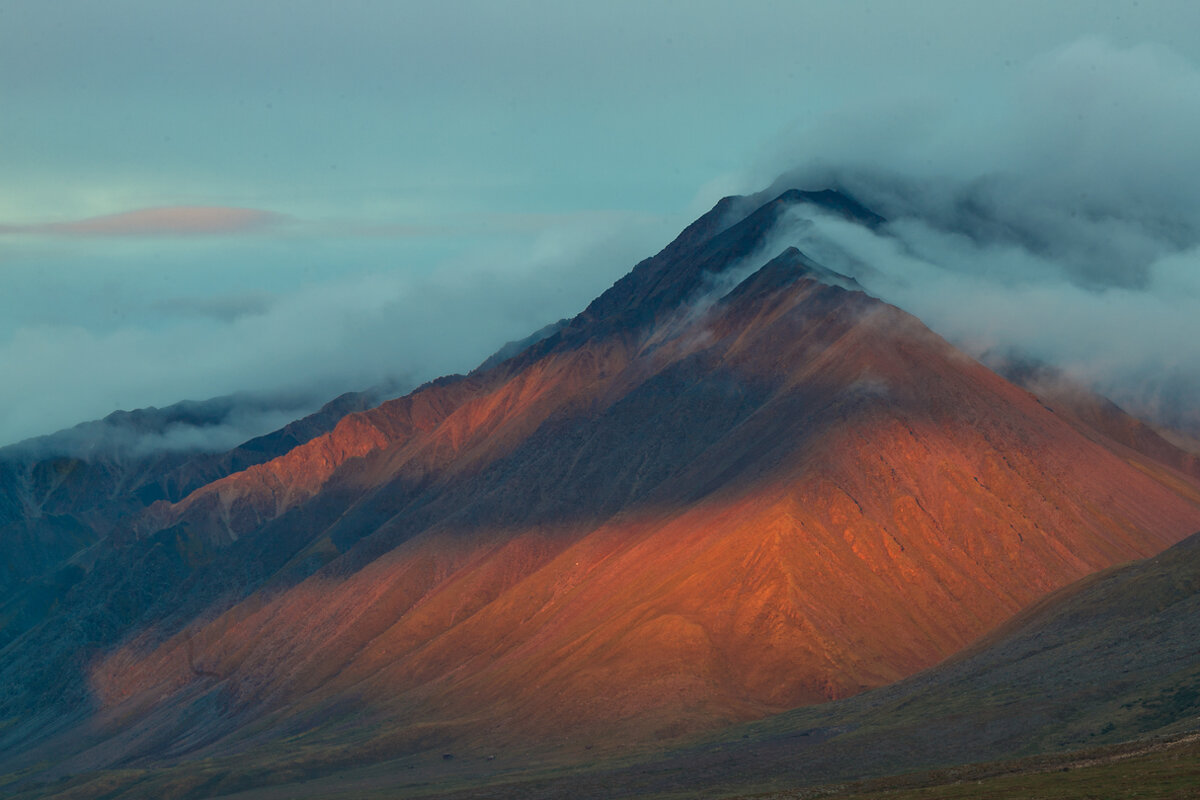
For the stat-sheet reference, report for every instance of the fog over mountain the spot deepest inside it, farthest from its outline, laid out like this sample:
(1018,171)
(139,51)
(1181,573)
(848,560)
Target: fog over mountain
(1061,223)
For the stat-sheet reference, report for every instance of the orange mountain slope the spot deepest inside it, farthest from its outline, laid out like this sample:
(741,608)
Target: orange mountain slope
(691,506)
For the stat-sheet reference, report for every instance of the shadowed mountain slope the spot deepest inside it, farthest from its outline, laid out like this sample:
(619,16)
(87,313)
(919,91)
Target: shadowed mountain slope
(729,487)
(63,494)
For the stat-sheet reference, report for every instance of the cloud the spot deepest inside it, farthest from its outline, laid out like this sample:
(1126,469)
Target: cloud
(214,425)
(1059,221)
(224,307)
(166,221)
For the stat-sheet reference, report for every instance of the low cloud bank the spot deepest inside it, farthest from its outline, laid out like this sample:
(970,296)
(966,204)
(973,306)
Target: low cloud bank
(381,323)
(214,425)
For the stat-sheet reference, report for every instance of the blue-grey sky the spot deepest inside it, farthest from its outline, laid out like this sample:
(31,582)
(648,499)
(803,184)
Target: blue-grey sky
(205,197)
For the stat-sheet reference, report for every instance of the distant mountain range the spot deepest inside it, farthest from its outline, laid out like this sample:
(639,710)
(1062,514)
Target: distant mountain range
(735,485)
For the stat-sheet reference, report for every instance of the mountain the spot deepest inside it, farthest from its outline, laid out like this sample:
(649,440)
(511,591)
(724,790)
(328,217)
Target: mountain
(733,485)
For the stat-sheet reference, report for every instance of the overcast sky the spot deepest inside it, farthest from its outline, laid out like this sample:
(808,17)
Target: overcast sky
(310,197)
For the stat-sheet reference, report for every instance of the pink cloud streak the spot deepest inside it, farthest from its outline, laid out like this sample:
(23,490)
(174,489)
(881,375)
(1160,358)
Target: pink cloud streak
(164,221)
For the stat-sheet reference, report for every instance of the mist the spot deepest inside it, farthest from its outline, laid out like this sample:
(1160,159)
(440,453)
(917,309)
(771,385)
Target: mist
(214,425)
(1059,221)
(350,321)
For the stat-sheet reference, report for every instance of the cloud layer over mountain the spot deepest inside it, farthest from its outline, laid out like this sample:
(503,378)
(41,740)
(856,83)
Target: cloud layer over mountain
(1060,223)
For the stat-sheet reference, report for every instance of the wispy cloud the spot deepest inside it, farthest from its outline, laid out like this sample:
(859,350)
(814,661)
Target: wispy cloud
(479,223)
(164,221)
(224,307)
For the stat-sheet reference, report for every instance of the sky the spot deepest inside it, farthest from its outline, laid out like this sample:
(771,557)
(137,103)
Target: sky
(303,198)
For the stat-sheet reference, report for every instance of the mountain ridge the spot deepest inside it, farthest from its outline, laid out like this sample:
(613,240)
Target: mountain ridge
(693,505)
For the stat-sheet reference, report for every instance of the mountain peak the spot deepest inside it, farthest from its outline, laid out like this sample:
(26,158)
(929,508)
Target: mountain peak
(718,240)
(788,267)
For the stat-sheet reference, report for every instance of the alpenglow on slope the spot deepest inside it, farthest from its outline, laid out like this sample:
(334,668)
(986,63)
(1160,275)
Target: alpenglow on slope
(733,485)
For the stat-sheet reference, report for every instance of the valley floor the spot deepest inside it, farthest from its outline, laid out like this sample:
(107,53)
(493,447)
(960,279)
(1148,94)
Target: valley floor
(1163,770)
